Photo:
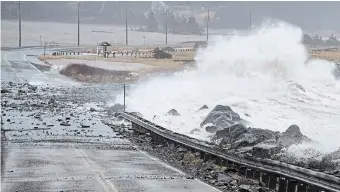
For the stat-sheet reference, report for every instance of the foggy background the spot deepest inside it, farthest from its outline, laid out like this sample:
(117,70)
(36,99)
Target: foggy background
(56,22)
(313,16)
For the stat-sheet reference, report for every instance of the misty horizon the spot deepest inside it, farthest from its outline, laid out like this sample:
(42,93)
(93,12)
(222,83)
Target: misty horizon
(310,16)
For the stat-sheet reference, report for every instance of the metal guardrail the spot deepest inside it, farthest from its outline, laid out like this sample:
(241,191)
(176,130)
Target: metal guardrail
(319,179)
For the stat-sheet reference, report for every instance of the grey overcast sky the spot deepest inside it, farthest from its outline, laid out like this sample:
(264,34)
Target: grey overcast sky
(313,16)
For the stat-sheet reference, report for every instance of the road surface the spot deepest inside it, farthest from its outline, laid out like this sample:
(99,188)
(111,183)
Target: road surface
(39,152)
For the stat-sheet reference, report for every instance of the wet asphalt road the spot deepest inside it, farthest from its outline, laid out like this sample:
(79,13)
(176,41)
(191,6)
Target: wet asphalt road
(54,139)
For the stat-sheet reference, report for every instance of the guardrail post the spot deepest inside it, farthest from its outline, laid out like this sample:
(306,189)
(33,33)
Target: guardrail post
(257,175)
(243,171)
(250,173)
(282,184)
(265,178)
(230,165)
(273,182)
(206,157)
(292,184)
(158,139)
(202,155)
(225,163)
(236,166)
(213,158)
(219,161)
(302,187)
(312,188)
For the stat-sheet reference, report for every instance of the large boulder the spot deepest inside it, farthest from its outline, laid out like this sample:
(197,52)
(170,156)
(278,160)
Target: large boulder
(263,150)
(211,129)
(221,117)
(253,136)
(230,134)
(173,112)
(238,135)
(292,136)
(203,107)
(233,132)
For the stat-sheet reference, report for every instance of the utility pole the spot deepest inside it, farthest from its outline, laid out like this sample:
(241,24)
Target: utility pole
(124,97)
(44,49)
(126,26)
(250,22)
(302,24)
(208,18)
(166,27)
(40,40)
(19,25)
(78,24)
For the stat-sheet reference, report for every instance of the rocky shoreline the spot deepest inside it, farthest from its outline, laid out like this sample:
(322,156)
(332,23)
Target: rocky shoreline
(62,104)
(232,135)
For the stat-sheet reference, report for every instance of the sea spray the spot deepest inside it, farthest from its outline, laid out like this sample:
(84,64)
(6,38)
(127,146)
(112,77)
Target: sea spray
(266,75)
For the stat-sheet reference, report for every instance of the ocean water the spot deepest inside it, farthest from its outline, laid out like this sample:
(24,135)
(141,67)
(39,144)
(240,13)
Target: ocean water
(266,75)
(66,34)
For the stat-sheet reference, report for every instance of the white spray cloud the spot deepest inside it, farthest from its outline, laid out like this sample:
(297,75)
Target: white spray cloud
(262,75)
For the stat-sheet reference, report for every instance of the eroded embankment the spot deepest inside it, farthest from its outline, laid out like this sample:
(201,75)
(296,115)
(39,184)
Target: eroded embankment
(85,73)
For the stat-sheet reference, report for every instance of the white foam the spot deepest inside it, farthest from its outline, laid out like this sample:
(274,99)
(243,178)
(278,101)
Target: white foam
(254,75)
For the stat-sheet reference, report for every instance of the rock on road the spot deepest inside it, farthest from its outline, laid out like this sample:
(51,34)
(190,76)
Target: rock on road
(52,141)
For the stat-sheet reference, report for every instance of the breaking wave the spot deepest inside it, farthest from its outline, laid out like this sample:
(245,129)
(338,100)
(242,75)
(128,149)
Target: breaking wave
(266,77)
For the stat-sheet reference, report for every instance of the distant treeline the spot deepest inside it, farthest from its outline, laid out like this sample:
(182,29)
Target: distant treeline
(318,40)
(312,16)
(157,22)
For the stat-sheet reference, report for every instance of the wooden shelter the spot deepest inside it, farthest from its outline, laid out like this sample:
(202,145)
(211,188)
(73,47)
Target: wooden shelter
(105,44)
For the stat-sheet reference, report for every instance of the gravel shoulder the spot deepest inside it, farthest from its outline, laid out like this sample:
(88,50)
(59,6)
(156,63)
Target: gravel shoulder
(56,139)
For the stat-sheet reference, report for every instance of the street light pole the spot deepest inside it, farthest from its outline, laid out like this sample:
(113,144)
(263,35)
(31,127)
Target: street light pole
(250,22)
(124,98)
(166,27)
(208,18)
(44,49)
(78,24)
(19,24)
(40,40)
(126,26)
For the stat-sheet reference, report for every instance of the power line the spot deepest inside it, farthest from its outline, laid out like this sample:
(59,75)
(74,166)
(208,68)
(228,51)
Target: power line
(208,18)
(78,24)
(166,27)
(126,26)
(19,25)
(250,20)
